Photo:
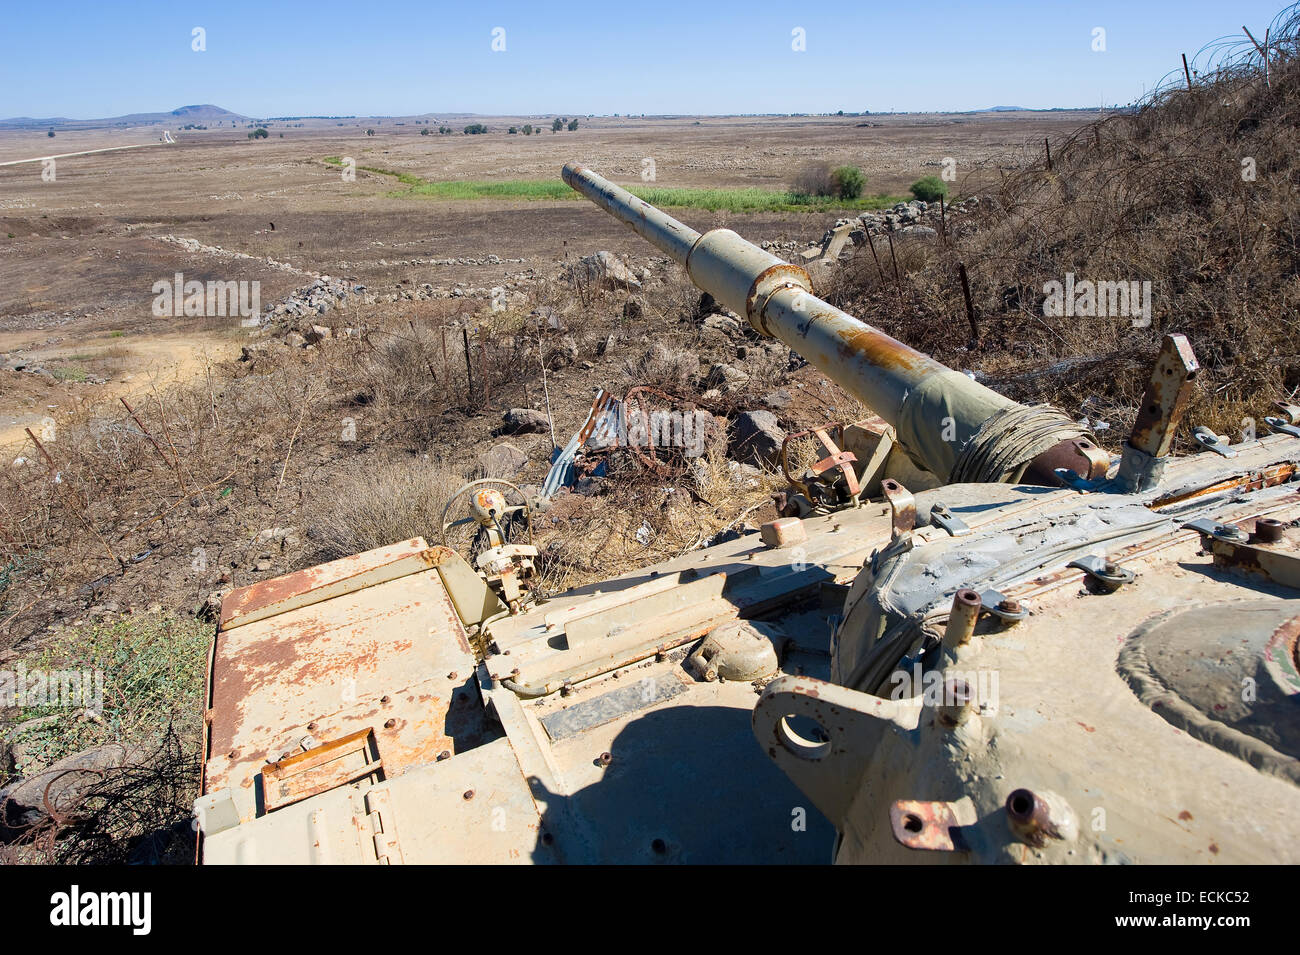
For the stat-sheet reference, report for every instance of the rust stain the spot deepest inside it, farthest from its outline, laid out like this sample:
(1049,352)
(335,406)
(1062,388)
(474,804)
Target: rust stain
(1269,477)
(878,348)
(246,600)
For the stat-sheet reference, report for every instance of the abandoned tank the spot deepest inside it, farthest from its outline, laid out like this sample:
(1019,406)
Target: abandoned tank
(973,637)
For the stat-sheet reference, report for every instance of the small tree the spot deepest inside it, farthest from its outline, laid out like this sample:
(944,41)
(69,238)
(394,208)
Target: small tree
(556,125)
(847,182)
(425,131)
(929,189)
(370,132)
(512,130)
(50,134)
(573,124)
(528,129)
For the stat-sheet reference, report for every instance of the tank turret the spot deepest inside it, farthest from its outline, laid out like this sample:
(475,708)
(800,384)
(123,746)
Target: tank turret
(995,647)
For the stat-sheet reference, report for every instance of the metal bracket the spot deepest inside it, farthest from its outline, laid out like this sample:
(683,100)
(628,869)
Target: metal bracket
(836,458)
(1213,529)
(1004,607)
(940,516)
(919,824)
(827,768)
(1280,426)
(1210,441)
(902,504)
(1105,572)
(1166,397)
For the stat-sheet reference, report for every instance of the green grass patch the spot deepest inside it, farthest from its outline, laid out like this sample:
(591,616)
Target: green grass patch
(732,200)
(507,189)
(144,674)
(138,681)
(69,374)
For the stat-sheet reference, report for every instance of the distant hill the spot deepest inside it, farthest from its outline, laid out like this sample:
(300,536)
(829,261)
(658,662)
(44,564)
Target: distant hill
(204,115)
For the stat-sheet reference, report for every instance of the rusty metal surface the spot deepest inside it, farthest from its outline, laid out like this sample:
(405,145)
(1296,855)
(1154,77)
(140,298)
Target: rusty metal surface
(320,769)
(1166,397)
(902,506)
(391,658)
(962,618)
(264,599)
(835,458)
(919,824)
(472,808)
(1073,454)
(1270,561)
(1282,654)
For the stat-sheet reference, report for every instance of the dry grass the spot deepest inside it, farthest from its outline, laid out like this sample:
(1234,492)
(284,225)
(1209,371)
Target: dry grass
(379,504)
(1156,194)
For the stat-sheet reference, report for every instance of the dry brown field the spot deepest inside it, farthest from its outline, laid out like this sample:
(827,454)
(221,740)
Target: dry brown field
(79,256)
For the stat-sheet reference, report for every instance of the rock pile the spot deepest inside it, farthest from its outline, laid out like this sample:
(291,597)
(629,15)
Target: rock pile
(604,270)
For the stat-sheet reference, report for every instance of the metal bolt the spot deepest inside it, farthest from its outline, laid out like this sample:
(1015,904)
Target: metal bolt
(1036,818)
(605,759)
(1009,605)
(444,755)
(467,794)
(383,699)
(389,724)
(451,675)
(311,726)
(1021,805)
(958,703)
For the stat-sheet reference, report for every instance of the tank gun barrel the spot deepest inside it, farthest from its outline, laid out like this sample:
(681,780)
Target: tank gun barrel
(948,423)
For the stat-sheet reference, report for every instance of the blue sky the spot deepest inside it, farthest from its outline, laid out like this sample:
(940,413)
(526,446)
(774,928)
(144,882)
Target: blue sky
(88,60)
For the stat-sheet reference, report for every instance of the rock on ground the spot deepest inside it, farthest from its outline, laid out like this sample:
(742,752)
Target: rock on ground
(756,439)
(503,460)
(606,270)
(525,421)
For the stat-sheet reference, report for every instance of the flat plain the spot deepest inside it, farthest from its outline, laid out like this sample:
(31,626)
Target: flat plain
(79,255)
